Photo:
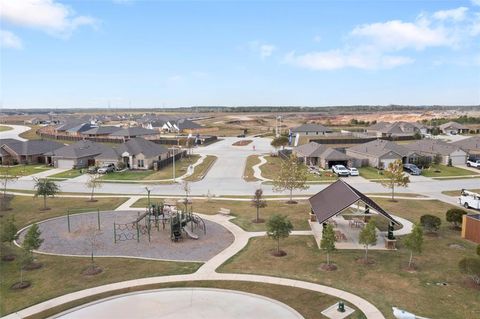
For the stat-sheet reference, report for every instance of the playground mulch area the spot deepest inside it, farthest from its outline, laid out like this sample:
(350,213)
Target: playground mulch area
(83,236)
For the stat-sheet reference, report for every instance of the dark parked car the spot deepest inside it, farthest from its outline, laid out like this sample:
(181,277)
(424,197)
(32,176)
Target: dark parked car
(412,169)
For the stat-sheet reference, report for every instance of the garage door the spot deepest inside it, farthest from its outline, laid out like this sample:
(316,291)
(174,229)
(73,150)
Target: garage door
(63,163)
(458,160)
(386,162)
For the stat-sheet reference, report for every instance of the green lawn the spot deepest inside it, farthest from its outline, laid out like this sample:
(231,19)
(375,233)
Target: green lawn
(457,192)
(252,160)
(201,170)
(62,275)
(445,171)
(272,167)
(385,283)
(27,210)
(370,172)
(68,174)
(5,128)
(245,213)
(165,173)
(23,170)
(32,133)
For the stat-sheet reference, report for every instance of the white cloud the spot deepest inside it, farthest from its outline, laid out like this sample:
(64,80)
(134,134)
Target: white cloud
(397,35)
(457,14)
(475,2)
(263,49)
(10,40)
(47,15)
(338,59)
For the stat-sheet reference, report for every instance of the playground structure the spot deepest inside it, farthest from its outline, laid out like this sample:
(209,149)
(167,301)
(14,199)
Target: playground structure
(180,222)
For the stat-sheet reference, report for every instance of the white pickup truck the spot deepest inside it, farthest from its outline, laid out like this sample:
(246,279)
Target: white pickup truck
(475,163)
(340,170)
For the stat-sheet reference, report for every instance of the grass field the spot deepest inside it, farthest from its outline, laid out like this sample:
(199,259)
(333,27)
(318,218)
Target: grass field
(27,210)
(414,291)
(68,174)
(445,171)
(252,160)
(457,192)
(62,275)
(31,134)
(201,170)
(245,213)
(370,172)
(5,128)
(272,167)
(23,170)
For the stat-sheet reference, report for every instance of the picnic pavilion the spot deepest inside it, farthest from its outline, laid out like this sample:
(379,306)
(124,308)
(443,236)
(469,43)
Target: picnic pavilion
(348,210)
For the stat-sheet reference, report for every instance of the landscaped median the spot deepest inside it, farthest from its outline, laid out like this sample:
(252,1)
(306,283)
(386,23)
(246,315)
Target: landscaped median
(421,291)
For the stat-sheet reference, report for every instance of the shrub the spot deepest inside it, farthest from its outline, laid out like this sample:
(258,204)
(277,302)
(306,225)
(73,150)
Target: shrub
(470,266)
(430,223)
(454,216)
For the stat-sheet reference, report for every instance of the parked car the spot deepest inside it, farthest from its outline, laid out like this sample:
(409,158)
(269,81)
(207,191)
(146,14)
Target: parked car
(241,135)
(92,170)
(353,171)
(106,169)
(473,163)
(340,170)
(412,169)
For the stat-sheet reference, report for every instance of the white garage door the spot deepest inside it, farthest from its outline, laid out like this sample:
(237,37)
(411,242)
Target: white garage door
(458,160)
(386,162)
(64,163)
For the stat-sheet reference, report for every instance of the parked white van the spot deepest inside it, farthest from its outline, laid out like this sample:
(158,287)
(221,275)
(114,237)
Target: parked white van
(469,199)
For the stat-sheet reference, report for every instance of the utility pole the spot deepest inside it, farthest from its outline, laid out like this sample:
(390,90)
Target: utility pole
(174,164)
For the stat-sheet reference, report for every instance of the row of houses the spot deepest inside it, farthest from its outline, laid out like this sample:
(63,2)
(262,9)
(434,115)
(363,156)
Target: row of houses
(136,153)
(379,153)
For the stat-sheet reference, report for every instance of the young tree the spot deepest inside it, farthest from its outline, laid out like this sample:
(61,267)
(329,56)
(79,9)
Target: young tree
(93,182)
(280,141)
(258,202)
(292,175)
(328,241)
(278,227)
(92,240)
(8,235)
(31,241)
(6,176)
(430,223)
(455,216)
(368,237)
(44,187)
(414,242)
(395,176)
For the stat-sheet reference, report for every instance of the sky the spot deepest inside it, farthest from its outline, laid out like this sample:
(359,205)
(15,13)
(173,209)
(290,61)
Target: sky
(153,53)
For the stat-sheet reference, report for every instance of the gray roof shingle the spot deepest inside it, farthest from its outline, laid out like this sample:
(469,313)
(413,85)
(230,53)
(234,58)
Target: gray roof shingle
(379,148)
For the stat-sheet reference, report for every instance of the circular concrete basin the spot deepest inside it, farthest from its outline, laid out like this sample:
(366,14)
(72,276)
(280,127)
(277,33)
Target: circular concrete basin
(181,303)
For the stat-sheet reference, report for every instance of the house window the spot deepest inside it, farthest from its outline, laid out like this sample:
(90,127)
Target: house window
(140,163)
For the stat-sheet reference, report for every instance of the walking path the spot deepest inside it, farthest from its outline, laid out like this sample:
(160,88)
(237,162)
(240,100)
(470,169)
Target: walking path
(257,172)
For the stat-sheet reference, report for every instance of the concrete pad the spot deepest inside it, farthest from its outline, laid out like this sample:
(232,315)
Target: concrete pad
(332,312)
(181,303)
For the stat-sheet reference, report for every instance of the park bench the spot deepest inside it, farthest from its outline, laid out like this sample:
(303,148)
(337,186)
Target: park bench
(224,211)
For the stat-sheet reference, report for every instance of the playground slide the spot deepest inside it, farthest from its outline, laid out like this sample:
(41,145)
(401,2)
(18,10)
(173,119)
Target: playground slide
(189,233)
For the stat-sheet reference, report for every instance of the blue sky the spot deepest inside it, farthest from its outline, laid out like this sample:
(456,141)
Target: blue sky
(128,53)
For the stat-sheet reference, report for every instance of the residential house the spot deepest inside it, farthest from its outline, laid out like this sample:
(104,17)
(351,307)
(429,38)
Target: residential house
(28,152)
(470,145)
(136,153)
(452,128)
(78,155)
(447,151)
(101,131)
(133,132)
(321,155)
(396,129)
(380,153)
(310,130)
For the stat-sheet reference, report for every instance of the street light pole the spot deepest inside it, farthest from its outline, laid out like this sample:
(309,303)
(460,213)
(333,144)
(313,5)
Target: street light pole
(174,164)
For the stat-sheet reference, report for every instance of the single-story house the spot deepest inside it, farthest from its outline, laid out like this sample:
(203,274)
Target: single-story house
(321,155)
(396,129)
(380,153)
(101,131)
(453,128)
(470,145)
(136,153)
(78,155)
(133,132)
(28,152)
(448,151)
(310,130)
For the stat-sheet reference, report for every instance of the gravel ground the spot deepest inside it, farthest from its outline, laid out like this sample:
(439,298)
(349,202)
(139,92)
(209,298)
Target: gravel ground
(79,241)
